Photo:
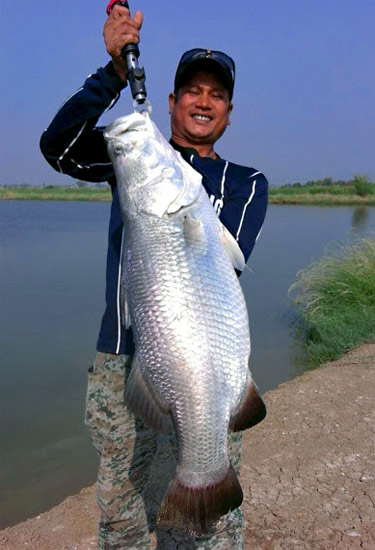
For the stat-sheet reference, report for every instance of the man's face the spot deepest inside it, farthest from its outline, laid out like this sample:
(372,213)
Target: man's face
(201,110)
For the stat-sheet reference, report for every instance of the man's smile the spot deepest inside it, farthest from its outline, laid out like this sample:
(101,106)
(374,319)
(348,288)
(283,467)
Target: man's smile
(202,118)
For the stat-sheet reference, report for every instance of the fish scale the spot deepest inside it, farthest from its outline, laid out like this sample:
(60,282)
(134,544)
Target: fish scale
(183,280)
(189,321)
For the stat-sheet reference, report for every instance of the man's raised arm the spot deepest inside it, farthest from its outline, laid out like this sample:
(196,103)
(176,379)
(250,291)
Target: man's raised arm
(73,144)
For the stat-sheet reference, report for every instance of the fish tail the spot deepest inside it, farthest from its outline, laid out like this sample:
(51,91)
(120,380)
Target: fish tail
(196,509)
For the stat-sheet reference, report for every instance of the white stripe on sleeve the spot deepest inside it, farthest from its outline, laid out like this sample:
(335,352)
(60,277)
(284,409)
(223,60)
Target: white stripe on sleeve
(73,94)
(253,175)
(70,97)
(72,142)
(90,165)
(245,207)
(112,103)
(223,180)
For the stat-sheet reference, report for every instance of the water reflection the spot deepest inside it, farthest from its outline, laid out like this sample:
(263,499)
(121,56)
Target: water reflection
(360,218)
(51,292)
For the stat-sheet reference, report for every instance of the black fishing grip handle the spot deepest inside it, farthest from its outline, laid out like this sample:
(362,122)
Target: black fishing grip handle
(129,48)
(135,75)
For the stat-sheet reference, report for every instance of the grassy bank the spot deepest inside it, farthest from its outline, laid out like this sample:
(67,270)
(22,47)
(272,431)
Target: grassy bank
(320,199)
(360,190)
(335,300)
(54,193)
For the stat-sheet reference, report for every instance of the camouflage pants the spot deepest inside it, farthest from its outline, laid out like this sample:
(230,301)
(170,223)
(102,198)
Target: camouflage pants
(135,468)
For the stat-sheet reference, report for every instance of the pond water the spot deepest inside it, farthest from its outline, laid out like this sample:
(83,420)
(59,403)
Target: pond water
(52,274)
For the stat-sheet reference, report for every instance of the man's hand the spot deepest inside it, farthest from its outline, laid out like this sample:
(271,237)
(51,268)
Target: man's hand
(119,30)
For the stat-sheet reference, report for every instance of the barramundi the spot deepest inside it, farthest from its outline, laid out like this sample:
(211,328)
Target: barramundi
(181,295)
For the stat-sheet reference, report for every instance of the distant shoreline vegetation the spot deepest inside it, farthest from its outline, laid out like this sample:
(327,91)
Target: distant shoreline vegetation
(81,191)
(359,190)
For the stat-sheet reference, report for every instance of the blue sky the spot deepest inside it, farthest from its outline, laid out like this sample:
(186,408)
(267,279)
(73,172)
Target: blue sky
(304,101)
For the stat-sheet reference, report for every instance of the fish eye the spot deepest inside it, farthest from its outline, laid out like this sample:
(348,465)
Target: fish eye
(118,149)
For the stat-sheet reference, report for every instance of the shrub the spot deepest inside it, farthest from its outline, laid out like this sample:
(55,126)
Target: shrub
(362,185)
(81,184)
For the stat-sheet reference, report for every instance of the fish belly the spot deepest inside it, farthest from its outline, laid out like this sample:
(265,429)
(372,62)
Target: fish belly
(191,333)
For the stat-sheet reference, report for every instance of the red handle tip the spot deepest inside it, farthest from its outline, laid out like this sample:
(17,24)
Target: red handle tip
(113,2)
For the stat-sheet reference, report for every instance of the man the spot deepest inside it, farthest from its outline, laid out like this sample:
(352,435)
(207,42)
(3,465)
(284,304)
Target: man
(200,109)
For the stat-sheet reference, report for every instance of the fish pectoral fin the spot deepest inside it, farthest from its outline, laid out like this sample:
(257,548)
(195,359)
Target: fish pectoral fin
(194,231)
(197,509)
(232,248)
(250,411)
(142,401)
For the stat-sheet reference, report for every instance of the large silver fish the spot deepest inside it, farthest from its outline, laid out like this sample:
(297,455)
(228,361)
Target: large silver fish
(189,317)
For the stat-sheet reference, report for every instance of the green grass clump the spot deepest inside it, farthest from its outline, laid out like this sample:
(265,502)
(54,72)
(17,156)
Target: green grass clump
(335,301)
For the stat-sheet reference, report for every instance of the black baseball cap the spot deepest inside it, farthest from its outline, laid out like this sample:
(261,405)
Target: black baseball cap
(199,58)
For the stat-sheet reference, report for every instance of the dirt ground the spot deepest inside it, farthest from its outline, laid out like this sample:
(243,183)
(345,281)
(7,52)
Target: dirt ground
(308,471)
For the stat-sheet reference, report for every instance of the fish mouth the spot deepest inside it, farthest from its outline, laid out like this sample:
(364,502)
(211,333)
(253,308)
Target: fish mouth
(136,122)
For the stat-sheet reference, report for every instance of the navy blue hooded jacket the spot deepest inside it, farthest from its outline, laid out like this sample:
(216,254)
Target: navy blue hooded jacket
(74,145)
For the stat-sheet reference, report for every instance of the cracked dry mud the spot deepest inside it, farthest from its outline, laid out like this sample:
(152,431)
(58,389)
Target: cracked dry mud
(308,471)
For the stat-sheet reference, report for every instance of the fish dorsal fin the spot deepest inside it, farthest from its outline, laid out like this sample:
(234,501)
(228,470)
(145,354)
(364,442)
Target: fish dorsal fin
(232,248)
(250,411)
(142,401)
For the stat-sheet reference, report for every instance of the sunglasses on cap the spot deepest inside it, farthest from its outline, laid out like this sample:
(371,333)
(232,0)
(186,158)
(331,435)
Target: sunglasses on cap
(225,65)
